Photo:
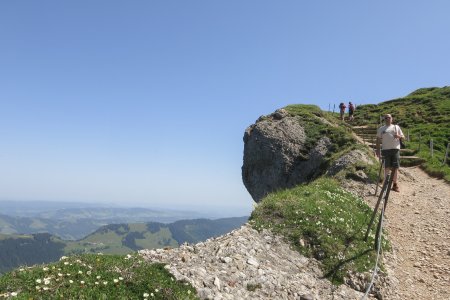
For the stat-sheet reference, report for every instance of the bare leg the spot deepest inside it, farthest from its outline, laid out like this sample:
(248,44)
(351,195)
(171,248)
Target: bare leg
(394,178)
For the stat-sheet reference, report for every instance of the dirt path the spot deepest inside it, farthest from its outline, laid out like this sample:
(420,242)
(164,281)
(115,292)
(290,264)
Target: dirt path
(418,222)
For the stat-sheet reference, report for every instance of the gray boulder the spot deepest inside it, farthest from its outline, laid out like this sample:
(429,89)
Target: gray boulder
(352,157)
(276,156)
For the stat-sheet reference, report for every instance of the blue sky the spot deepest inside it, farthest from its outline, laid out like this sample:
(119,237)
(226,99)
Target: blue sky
(145,103)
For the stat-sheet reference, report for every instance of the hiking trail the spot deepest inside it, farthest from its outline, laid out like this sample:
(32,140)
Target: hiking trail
(418,225)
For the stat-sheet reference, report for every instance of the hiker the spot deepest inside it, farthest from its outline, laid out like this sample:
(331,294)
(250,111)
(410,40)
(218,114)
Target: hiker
(351,111)
(389,137)
(342,110)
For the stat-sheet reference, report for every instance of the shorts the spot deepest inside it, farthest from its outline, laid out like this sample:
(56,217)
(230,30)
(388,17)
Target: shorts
(391,158)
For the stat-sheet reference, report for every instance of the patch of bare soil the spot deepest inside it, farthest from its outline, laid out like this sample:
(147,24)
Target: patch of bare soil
(418,224)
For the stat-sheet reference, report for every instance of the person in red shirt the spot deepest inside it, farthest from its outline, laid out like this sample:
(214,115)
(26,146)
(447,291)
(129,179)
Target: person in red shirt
(342,110)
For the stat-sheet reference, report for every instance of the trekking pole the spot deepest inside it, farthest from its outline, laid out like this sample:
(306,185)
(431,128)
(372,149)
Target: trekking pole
(386,197)
(385,185)
(379,175)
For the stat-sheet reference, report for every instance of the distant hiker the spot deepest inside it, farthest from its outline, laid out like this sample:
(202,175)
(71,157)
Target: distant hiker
(351,111)
(389,137)
(342,110)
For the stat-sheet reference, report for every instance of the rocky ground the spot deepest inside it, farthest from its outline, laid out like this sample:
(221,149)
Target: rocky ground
(418,222)
(245,264)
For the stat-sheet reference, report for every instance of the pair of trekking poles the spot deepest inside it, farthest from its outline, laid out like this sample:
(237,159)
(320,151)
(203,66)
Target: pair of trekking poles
(384,195)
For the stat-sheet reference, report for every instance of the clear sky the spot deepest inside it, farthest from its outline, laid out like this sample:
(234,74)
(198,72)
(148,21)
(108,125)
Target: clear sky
(145,103)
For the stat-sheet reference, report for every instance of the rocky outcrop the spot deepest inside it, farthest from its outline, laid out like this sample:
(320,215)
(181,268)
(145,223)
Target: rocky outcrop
(247,264)
(276,155)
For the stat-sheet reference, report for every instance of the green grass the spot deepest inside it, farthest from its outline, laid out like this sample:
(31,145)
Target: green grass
(425,114)
(93,276)
(323,221)
(312,119)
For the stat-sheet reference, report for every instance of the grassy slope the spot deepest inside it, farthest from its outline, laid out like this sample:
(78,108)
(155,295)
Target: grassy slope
(323,221)
(320,219)
(109,240)
(425,113)
(95,277)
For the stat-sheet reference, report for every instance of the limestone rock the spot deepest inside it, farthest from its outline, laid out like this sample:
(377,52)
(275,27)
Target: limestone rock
(276,155)
(275,273)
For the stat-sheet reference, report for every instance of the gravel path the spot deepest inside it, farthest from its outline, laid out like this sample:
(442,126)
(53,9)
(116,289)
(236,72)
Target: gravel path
(418,223)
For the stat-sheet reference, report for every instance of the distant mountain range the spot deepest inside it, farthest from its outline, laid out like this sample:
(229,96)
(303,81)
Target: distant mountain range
(19,250)
(72,221)
(36,232)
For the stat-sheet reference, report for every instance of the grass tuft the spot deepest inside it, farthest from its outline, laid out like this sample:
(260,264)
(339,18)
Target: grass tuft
(94,276)
(323,221)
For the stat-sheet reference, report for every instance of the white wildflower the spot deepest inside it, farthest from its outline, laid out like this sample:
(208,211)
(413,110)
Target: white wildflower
(14,294)
(146,295)
(38,280)
(63,258)
(116,280)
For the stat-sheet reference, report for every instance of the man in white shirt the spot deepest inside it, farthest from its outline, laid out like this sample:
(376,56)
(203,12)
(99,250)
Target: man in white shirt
(389,137)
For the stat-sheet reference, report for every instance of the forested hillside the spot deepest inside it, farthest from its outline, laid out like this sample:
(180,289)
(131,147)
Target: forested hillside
(17,250)
(29,250)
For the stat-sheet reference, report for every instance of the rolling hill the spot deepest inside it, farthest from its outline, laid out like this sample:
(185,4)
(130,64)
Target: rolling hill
(18,250)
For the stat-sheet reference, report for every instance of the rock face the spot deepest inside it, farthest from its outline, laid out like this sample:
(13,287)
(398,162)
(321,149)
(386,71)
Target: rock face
(354,156)
(276,156)
(247,264)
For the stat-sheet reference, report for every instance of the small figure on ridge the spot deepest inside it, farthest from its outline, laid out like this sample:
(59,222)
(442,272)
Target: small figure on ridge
(342,110)
(351,111)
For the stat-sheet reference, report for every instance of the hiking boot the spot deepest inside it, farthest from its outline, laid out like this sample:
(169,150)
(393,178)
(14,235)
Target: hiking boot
(395,188)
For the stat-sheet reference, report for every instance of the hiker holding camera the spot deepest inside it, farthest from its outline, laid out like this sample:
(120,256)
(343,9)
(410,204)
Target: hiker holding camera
(388,137)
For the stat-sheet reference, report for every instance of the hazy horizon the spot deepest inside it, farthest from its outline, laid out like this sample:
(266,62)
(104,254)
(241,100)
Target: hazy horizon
(146,102)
